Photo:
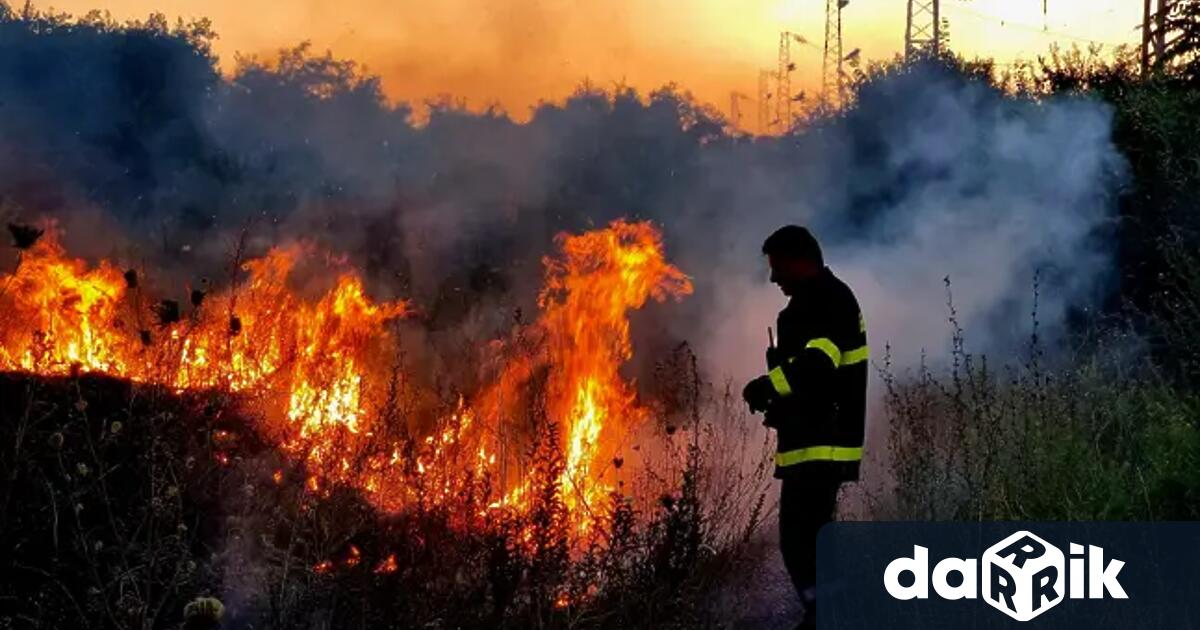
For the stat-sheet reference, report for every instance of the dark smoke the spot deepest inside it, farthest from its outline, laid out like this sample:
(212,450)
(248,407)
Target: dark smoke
(135,140)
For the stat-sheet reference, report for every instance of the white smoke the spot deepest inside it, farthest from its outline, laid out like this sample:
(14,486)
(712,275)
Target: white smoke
(955,181)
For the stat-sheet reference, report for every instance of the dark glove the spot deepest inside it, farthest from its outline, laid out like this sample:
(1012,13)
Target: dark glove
(771,418)
(759,394)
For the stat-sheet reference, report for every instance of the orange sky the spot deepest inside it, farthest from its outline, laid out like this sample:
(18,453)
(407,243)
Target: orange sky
(515,52)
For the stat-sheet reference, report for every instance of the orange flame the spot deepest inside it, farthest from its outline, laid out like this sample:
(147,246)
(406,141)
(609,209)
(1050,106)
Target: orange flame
(324,361)
(601,276)
(59,315)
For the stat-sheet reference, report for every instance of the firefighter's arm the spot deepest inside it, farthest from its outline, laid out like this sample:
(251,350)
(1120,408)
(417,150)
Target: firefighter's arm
(810,373)
(807,374)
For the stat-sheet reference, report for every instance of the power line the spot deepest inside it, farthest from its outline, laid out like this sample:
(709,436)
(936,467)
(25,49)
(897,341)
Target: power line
(1028,27)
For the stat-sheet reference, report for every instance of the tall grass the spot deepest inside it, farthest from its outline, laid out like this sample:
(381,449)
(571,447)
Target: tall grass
(1101,432)
(123,503)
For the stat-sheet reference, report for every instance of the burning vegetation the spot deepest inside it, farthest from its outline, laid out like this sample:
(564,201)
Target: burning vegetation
(319,367)
(300,398)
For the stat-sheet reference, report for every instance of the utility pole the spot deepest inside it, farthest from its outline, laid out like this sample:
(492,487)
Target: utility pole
(1160,30)
(1146,38)
(923,34)
(1154,34)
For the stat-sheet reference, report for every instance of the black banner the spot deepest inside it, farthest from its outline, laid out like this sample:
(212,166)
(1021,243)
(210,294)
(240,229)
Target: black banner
(1008,575)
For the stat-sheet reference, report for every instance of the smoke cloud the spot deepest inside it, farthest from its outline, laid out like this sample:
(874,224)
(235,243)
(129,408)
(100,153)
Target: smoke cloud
(135,140)
(932,177)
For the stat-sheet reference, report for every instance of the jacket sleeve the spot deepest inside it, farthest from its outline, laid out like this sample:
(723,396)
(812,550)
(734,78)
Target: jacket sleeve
(837,339)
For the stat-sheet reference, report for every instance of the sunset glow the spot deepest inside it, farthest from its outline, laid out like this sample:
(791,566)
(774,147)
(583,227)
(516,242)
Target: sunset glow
(519,52)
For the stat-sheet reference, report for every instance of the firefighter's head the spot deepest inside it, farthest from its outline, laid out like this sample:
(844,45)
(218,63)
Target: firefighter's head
(795,258)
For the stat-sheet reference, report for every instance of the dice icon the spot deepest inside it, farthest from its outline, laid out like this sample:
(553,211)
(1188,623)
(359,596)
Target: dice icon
(1023,576)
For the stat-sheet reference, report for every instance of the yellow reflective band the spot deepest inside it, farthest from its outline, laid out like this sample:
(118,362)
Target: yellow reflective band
(825,345)
(862,324)
(780,382)
(819,453)
(858,355)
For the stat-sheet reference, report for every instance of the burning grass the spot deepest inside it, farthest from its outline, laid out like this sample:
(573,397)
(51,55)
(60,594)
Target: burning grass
(321,364)
(266,446)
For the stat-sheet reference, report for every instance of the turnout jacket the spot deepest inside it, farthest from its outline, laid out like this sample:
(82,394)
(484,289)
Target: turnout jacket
(819,372)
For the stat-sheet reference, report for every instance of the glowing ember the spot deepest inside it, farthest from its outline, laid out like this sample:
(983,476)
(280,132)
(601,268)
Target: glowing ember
(354,558)
(388,565)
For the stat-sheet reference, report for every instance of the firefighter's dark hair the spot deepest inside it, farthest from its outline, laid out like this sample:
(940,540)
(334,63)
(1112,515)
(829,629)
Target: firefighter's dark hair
(793,241)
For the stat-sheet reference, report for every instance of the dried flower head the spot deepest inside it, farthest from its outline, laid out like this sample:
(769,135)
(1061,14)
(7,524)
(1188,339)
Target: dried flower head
(24,236)
(203,612)
(167,312)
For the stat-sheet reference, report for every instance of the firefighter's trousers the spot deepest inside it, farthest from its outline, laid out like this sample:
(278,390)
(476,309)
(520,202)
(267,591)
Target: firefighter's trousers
(804,506)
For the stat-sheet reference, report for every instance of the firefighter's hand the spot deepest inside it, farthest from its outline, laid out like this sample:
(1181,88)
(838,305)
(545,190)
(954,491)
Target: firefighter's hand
(759,394)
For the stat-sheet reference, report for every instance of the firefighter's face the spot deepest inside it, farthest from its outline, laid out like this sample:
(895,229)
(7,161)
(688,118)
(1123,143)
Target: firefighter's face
(791,273)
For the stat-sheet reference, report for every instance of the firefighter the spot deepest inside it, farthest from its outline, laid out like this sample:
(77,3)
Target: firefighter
(814,396)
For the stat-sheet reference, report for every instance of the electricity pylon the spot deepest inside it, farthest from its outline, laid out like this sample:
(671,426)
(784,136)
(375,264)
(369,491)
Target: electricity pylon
(764,101)
(833,79)
(923,34)
(783,83)
(735,109)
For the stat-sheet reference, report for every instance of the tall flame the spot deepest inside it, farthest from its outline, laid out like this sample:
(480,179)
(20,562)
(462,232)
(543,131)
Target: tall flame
(600,277)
